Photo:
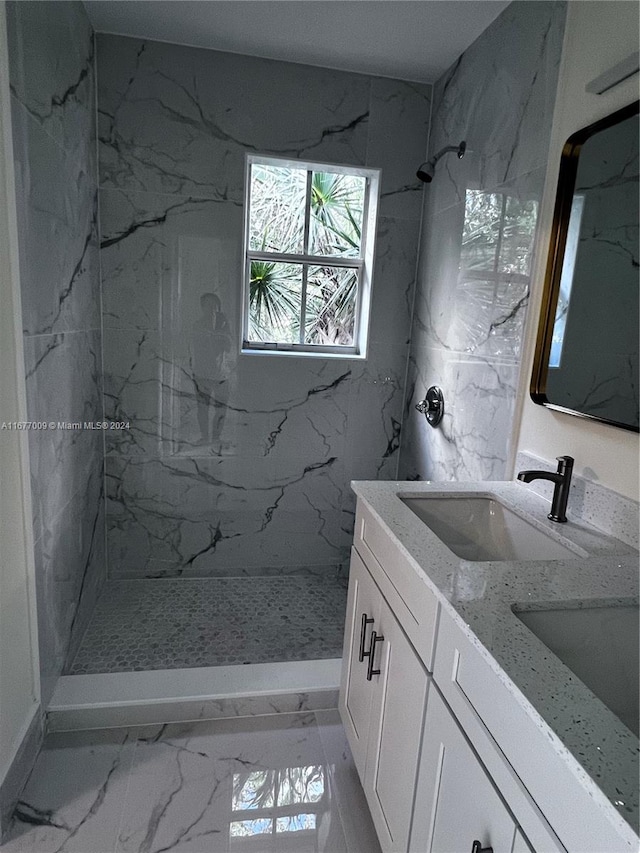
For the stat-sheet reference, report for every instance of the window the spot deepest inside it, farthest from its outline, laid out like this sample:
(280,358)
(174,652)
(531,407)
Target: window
(309,234)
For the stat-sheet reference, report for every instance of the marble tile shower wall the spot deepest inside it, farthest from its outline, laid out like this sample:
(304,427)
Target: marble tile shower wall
(52,75)
(253,475)
(477,243)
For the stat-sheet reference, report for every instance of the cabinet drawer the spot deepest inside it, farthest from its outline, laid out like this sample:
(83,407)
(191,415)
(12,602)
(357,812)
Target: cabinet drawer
(540,785)
(457,803)
(414,604)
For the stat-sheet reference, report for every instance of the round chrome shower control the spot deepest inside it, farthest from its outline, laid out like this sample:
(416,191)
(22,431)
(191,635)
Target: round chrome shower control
(432,407)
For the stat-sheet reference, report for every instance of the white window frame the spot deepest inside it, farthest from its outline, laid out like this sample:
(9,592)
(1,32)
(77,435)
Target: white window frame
(364,263)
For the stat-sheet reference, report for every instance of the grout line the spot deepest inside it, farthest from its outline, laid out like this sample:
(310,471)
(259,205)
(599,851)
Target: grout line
(134,750)
(61,333)
(105,574)
(425,201)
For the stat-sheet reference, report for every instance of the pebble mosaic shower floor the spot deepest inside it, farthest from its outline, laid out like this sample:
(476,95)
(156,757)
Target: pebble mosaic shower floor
(169,624)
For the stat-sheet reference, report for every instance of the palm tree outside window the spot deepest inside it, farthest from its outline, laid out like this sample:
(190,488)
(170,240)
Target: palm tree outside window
(309,235)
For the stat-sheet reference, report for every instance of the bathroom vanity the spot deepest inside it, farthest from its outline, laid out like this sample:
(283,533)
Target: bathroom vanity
(469,733)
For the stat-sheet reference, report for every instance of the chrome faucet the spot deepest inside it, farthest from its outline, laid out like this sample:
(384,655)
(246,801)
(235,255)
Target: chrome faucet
(562,480)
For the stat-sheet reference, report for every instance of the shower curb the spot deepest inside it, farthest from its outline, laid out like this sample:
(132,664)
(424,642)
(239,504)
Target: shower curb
(184,695)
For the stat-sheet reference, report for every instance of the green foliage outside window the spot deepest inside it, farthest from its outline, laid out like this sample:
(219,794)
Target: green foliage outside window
(319,215)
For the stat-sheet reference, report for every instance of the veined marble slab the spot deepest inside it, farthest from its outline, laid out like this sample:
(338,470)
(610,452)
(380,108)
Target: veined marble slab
(477,243)
(52,78)
(506,122)
(244,465)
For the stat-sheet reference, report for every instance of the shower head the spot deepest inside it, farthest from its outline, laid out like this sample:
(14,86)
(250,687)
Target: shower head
(425,173)
(426,170)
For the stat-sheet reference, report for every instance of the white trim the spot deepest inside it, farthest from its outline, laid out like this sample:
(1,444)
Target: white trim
(349,355)
(620,71)
(19,662)
(175,695)
(314,165)
(34,711)
(305,266)
(311,260)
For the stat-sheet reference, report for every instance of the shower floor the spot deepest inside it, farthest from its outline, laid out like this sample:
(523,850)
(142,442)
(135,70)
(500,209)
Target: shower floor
(170,624)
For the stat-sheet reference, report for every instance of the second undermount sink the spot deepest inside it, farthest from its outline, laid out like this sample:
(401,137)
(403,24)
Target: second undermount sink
(600,646)
(481,528)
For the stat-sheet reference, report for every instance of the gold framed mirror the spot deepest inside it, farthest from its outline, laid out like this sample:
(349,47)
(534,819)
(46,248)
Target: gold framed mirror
(586,361)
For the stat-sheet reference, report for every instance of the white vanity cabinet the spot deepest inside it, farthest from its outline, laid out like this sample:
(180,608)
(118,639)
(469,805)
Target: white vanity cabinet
(457,803)
(382,703)
(429,786)
(434,782)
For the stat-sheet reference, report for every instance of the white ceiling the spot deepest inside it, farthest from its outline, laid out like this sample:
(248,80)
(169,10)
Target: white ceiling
(409,39)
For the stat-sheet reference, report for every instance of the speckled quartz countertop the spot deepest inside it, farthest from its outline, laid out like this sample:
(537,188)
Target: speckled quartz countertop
(480,597)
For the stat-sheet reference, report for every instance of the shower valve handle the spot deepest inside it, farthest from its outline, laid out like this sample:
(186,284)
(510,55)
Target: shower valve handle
(432,407)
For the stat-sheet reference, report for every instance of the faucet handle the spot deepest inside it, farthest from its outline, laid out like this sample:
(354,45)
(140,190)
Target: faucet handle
(565,463)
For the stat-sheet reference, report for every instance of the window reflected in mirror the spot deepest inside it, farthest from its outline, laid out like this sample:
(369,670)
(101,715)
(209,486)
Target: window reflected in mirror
(566,280)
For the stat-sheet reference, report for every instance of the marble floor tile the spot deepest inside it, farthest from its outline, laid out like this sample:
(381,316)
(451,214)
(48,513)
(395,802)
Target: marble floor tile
(359,833)
(278,784)
(232,785)
(168,624)
(74,799)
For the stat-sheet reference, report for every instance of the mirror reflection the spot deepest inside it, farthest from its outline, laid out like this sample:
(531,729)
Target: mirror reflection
(268,802)
(587,359)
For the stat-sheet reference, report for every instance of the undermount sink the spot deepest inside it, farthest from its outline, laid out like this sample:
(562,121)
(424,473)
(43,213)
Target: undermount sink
(598,644)
(480,528)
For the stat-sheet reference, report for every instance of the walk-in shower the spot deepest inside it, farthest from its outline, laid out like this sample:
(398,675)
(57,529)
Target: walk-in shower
(209,525)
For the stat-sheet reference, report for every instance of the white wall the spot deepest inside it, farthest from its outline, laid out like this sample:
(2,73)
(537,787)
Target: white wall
(19,671)
(598,35)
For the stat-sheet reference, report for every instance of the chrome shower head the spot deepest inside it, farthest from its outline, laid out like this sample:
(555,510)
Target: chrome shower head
(426,170)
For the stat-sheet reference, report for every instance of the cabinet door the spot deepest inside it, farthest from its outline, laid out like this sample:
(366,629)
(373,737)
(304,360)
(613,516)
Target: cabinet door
(396,727)
(456,801)
(363,603)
